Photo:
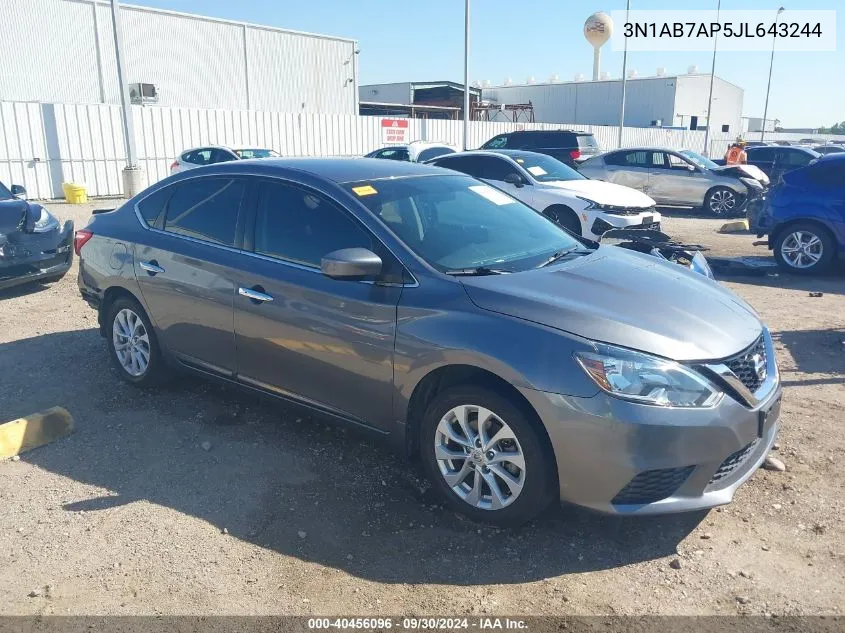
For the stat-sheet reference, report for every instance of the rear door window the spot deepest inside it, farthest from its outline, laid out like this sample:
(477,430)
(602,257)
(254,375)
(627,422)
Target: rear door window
(198,157)
(796,158)
(469,165)
(761,154)
(639,158)
(152,206)
(222,156)
(206,209)
(493,168)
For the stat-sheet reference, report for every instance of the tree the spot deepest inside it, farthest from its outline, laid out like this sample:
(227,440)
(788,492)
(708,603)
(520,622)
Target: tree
(836,128)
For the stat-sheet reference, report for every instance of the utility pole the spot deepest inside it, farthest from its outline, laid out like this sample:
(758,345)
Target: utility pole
(466,76)
(132,173)
(710,98)
(624,79)
(769,86)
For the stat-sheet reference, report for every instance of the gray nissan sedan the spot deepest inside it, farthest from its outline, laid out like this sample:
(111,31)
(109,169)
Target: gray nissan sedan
(521,364)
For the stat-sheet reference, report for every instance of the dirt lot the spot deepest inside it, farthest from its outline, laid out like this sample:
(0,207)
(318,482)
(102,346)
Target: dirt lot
(198,500)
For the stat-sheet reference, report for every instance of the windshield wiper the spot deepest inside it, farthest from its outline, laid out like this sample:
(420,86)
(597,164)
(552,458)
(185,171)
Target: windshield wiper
(480,271)
(575,250)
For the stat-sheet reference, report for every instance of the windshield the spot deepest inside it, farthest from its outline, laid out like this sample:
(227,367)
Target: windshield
(5,194)
(257,153)
(545,168)
(457,223)
(698,159)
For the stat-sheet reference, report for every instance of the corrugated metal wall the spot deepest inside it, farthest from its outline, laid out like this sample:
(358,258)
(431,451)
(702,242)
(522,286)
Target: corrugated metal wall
(193,61)
(43,145)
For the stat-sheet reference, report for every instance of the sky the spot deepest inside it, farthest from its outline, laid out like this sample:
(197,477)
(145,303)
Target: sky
(424,41)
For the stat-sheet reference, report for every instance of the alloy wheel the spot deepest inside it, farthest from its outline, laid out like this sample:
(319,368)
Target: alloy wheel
(802,249)
(479,457)
(131,342)
(722,201)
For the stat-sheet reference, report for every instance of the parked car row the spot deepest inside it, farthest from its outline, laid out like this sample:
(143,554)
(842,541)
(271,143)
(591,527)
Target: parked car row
(522,364)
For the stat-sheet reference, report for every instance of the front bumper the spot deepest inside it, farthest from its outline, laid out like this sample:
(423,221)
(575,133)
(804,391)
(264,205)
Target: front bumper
(623,458)
(35,257)
(606,221)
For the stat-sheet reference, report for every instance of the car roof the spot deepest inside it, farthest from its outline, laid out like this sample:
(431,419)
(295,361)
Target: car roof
(198,147)
(339,170)
(507,153)
(833,158)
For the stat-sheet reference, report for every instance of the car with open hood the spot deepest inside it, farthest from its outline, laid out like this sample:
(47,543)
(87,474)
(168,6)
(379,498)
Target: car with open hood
(522,364)
(680,178)
(582,206)
(34,244)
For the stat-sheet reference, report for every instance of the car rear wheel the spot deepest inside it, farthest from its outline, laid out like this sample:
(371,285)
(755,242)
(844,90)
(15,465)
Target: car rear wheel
(805,248)
(565,217)
(722,202)
(485,457)
(132,344)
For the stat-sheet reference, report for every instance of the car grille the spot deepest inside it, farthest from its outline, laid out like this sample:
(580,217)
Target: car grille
(629,211)
(745,364)
(734,461)
(652,485)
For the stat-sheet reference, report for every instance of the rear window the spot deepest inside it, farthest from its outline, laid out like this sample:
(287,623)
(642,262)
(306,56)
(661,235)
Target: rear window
(548,140)
(497,142)
(587,142)
(433,152)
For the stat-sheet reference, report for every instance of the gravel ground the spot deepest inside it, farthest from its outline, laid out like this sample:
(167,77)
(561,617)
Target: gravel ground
(199,500)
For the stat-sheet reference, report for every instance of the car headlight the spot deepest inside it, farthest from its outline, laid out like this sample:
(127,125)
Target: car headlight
(592,204)
(647,379)
(752,184)
(46,222)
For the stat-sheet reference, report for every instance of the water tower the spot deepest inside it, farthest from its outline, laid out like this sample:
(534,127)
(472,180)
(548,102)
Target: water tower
(597,30)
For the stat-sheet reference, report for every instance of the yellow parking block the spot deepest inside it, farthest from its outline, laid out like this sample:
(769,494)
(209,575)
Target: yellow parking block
(24,434)
(734,227)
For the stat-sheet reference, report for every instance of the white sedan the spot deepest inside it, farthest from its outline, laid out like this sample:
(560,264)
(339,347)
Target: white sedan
(584,207)
(211,154)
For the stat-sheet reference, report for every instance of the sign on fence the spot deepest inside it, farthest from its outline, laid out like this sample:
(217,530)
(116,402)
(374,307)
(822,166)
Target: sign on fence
(394,131)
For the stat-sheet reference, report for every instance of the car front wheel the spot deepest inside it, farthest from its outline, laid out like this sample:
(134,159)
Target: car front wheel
(805,248)
(486,457)
(722,202)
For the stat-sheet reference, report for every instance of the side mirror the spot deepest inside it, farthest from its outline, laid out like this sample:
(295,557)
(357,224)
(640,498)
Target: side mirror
(515,180)
(19,192)
(351,264)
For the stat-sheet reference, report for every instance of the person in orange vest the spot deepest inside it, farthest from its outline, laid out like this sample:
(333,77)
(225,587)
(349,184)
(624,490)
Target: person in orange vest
(736,154)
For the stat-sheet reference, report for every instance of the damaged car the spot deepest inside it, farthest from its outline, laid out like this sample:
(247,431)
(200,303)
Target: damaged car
(34,244)
(681,178)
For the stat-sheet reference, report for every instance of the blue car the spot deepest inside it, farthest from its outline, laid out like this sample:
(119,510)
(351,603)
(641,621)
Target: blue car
(804,216)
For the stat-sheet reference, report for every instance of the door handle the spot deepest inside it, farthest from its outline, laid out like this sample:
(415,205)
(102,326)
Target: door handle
(255,295)
(151,267)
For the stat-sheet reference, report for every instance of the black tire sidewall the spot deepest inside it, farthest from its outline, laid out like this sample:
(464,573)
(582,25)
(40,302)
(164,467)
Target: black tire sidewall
(154,370)
(828,254)
(539,487)
(727,214)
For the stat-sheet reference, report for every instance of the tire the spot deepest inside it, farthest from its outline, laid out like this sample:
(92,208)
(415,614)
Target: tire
(565,217)
(816,248)
(722,202)
(534,480)
(131,318)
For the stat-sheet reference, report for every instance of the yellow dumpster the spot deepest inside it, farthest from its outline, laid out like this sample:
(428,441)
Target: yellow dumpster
(75,193)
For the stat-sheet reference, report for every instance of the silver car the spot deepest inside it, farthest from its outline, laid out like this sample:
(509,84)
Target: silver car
(680,178)
(213,154)
(520,363)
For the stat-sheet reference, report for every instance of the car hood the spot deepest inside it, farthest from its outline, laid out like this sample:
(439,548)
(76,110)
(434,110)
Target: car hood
(629,299)
(743,171)
(13,212)
(604,192)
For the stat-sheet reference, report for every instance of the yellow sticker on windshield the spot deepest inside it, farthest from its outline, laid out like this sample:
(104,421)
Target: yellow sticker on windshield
(366,190)
(520,160)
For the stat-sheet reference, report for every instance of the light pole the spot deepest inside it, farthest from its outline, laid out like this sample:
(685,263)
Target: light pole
(132,174)
(710,98)
(624,78)
(466,75)
(769,86)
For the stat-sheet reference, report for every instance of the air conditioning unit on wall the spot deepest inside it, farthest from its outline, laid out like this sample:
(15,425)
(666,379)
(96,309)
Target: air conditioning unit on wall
(143,93)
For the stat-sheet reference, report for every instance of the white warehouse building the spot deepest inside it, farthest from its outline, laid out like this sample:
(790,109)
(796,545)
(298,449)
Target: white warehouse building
(663,100)
(62,51)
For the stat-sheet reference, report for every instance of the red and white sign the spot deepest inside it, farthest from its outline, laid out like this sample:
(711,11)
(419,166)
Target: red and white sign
(394,131)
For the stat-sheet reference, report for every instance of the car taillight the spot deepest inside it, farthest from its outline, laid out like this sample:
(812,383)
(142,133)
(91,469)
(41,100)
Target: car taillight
(174,165)
(80,238)
(575,154)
